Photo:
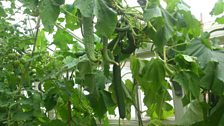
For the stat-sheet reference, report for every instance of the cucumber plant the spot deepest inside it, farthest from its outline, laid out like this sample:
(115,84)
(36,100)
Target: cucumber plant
(64,81)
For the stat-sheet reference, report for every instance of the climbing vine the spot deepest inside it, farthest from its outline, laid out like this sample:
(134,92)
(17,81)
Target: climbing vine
(60,64)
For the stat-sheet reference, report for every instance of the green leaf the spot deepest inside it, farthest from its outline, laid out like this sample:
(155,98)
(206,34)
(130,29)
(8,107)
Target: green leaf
(70,62)
(219,56)
(82,5)
(220,20)
(108,101)
(189,81)
(56,122)
(62,38)
(199,50)
(193,114)
(152,11)
(98,105)
(41,44)
(218,8)
(51,98)
(72,21)
(22,116)
(163,29)
(193,25)
(135,66)
(2,12)
(106,18)
(205,55)
(216,114)
(152,81)
(49,12)
(154,74)
(210,75)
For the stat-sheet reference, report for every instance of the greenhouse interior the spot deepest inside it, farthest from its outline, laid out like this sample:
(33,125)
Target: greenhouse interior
(111,62)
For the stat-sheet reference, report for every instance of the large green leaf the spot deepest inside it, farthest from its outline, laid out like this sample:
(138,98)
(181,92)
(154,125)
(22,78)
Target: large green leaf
(199,50)
(152,11)
(193,114)
(205,55)
(106,18)
(98,105)
(193,26)
(70,62)
(210,75)
(189,81)
(86,7)
(41,44)
(218,8)
(49,12)
(213,78)
(154,74)
(151,77)
(61,39)
(71,18)
(163,31)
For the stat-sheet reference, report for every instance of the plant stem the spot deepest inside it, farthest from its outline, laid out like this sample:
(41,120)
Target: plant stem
(180,44)
(137,107)
(36,36)
(69,113)
(215,30)
(68,31)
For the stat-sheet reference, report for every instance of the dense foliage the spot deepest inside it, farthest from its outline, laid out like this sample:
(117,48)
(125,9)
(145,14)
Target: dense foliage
(72,81)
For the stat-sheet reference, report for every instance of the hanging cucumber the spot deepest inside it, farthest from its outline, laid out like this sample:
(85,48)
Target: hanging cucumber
(131,44)
(119,92)
(105,51)
(88,37)
(116,40)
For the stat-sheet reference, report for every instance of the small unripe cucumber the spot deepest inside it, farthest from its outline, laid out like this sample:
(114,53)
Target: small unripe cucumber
(105,51)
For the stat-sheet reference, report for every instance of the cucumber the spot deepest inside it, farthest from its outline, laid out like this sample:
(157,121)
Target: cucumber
(88,38)
(131,44)
(105,51)
(119,92)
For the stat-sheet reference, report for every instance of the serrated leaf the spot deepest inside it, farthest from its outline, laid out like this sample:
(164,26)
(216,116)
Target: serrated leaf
(86,7)
(153,83)
(205,55)
(193,114)
(199,50)
(61,39)
(71,19)
(164,29)
(192,24)
(154,73)
(152,11)
(49,13)
(106,18)
(70,62)
(190,82)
